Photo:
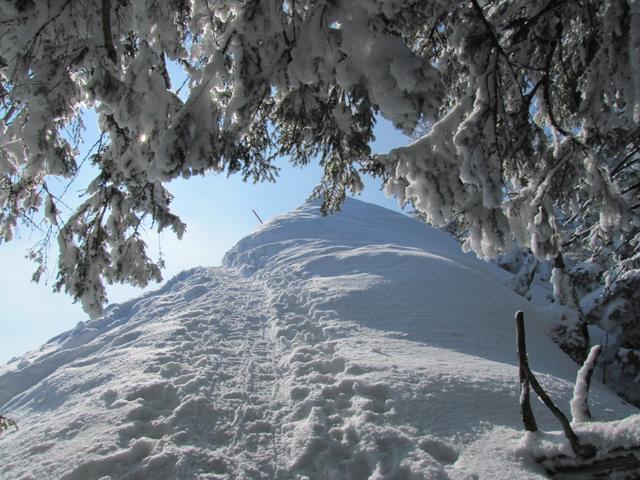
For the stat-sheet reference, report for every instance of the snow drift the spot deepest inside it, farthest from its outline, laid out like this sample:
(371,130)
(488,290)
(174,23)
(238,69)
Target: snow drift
(362,345)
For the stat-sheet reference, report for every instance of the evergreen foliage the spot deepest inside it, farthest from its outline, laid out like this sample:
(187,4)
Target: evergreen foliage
(6,423)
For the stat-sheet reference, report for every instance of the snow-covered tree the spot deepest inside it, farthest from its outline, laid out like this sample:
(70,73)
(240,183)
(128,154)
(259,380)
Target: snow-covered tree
(529,111)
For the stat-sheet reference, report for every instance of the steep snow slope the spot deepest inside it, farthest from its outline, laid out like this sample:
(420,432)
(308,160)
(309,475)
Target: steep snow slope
(363,345)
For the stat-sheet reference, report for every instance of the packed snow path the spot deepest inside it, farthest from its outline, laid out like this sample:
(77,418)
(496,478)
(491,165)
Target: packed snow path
(191,394)
(358,346)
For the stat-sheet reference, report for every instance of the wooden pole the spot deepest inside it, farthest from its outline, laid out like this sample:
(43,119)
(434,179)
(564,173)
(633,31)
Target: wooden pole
(257,216)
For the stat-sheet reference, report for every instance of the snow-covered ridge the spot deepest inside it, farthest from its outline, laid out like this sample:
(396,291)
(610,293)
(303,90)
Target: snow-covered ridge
(363,345)
(358,224)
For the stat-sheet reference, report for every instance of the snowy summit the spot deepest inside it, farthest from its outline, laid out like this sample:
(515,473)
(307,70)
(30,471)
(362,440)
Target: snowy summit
(362,345)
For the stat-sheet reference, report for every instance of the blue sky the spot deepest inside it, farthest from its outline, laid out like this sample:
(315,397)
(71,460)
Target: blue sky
(218,213)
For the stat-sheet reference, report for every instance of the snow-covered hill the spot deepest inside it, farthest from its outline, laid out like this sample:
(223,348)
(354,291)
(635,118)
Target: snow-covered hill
(363,345)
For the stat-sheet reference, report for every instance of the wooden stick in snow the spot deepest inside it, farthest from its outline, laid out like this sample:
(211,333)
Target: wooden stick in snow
(584,451)
(528,419)
(257,216)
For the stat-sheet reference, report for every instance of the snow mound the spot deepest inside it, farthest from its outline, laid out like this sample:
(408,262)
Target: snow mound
(362,345)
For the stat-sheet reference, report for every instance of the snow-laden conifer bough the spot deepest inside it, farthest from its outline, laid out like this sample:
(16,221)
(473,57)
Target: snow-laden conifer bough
(7,423)
(529,112)
(363,345)
(526,115)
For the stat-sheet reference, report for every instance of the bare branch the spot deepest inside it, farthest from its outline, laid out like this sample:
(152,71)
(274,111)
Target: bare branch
(583,450)
(528,419)
(106,31)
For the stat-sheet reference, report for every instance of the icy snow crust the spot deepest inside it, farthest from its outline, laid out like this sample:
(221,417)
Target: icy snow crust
(363,345)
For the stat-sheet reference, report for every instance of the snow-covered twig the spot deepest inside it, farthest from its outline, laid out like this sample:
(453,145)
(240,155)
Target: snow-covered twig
(579,404)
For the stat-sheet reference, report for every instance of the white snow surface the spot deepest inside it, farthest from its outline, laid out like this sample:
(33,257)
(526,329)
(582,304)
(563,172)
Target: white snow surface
(362,345)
